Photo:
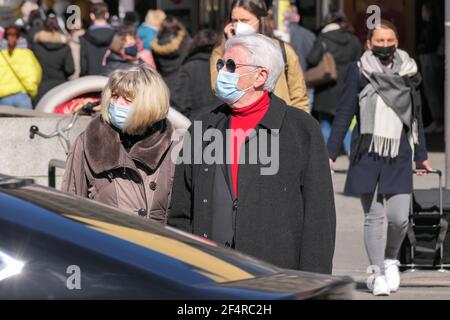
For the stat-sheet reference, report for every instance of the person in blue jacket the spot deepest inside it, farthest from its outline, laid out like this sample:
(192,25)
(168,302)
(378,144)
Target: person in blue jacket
(148,30)
(382,91)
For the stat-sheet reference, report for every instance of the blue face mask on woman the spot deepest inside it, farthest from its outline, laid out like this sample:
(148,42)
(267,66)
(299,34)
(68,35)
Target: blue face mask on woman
(227,89)
(118,115)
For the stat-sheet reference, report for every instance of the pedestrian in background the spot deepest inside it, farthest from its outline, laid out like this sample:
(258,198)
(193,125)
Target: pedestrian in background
(95,43)
(76,32)
(382,91)
(125,52)
(345,48)
(51,47)
(302,41)
(193,95)
(21,72)
(170,48)
(252,16)
(286,217)
(123,159)
(148,30)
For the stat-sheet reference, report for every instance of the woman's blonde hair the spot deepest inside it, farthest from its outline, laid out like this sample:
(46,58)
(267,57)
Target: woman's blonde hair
(148,92)
(155,17)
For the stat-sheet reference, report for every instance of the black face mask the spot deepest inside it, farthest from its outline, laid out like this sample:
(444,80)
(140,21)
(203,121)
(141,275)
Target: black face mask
(132,51)
(385,54)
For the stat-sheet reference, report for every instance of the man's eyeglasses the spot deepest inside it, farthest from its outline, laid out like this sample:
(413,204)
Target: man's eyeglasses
(231,65)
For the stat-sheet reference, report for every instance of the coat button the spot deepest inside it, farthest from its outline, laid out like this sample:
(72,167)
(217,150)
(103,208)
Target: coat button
(142,212)
(206,169)
(205,200)
(153,185)
(205,235)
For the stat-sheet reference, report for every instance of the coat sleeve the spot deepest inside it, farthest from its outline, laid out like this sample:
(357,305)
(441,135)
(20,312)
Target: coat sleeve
(420,152)
(345,111)
(33,74)
(319,221)
(182,96)
(83,58)
(74,180)
(296,81)
(316,53)
(69,66)
(181,207)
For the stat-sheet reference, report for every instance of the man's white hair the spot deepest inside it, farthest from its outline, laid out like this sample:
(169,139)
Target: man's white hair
(263,52)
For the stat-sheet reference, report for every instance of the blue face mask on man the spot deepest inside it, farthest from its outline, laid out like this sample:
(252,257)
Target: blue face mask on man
(227,87)
(118,115)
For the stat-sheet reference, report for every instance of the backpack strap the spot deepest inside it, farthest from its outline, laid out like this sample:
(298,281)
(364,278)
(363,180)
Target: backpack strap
(283,52)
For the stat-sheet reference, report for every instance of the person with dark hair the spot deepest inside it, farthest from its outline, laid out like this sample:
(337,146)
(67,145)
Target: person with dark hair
(170,49)
(125,52)
(131,20)
(21,73)
(382,91)
(345,48)
(252,16)
(51,47)
(193,95)
(95,43)
(432,64)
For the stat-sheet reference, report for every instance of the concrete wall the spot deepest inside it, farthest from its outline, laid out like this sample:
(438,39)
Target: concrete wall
(22,157)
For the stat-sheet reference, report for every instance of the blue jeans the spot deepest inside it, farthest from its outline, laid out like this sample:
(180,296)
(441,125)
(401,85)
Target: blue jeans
(18,100)
(326,124)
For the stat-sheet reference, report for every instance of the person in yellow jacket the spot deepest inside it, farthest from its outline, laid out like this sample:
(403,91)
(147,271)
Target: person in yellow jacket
(251,16)
(20,72)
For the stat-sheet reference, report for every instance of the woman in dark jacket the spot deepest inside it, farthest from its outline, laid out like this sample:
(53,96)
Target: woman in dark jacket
(382,91)
(345,48)
(170,49)
(123,159)
(51,48)
(193,95)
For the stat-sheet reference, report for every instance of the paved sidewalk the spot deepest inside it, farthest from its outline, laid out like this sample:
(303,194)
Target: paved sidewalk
(351,258)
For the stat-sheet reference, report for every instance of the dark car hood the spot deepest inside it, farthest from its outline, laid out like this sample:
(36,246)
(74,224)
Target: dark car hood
(155,249)
(101,37)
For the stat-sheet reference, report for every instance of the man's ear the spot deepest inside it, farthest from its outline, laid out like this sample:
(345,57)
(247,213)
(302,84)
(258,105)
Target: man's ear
(369,45)
(107,16)
(92,16)
(261,79)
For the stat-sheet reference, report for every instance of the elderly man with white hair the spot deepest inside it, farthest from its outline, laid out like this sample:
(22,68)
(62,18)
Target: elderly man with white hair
(283,214)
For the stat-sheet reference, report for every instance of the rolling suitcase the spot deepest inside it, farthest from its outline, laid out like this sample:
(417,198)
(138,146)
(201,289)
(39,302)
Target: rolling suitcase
(427,245)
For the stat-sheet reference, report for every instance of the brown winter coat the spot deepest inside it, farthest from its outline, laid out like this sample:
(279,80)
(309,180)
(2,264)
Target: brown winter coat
(292,90)
(140,181)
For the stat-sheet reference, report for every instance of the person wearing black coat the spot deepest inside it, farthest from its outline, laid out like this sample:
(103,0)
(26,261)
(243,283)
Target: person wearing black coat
(96,41)
(345,48)
(284,215)
(52,50)
(382,92)
(170,49)
(193,96)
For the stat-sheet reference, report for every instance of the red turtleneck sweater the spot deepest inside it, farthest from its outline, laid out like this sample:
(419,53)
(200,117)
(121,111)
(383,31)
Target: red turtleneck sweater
(244,120)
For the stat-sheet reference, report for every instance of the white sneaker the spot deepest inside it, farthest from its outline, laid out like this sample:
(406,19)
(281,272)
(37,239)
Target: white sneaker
(392,273)
(381,287)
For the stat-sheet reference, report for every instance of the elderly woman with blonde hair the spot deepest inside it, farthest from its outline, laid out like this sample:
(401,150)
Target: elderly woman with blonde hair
(123,159)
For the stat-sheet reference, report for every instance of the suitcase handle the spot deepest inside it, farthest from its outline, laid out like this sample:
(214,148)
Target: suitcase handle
(438,172)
